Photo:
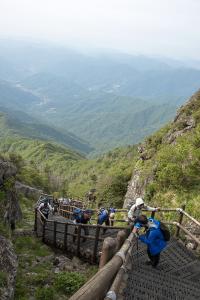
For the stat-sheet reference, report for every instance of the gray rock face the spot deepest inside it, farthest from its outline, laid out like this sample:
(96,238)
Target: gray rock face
(7,170)
(28,191)
(8,267)
(63,263)
(13,211)
(10,208)
(136,188)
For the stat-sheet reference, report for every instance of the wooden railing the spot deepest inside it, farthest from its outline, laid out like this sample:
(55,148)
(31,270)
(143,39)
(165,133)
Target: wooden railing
(96,248)
(69,236)
(105,283)
(67,212)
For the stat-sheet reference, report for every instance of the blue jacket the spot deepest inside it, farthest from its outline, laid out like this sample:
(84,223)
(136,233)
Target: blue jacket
(112,210)
(153,237)
(103,216)
(80,218)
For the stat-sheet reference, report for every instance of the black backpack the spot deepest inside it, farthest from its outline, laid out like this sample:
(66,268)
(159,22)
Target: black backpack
(165,231)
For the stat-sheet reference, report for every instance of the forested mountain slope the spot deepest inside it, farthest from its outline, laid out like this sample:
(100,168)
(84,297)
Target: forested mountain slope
(167,172)
(108,99)
(16,122)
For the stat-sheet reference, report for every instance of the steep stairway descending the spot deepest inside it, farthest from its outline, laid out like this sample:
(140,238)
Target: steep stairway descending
(177,277)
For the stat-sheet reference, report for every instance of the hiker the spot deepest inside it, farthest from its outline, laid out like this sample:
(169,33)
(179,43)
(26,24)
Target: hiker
(81,217)
(103,217)
(55,205)
(111,214)
(45,208)
(136,209)
(154,238)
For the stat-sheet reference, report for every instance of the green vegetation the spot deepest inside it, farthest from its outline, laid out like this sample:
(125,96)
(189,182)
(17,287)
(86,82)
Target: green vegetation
(45,293)
(106,114)
(69,282)
(31,246)
(3,279)
(42,164)
(108,174)
(16,122)
(175,167)
(36,278)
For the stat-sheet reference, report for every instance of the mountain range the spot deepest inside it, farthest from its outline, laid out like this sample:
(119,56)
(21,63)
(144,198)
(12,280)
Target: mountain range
(102,100)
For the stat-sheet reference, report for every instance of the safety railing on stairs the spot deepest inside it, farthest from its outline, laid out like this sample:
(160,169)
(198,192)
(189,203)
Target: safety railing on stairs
(69,236)
(67,212)
(105,283)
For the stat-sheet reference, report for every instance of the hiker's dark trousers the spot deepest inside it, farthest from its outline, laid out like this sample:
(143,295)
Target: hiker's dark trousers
(45,215)
(86,231)
(153,258)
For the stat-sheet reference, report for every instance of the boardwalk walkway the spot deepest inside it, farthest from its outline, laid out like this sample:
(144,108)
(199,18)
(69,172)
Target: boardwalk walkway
(124,274)
(62,233)
(177,277)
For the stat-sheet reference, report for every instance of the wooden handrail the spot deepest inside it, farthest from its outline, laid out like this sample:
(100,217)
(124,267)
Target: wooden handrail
(90,225)
(187,232)
(98,285)
(190,217)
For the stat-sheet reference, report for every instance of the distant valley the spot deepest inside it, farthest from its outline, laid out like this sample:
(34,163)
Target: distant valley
(90,103)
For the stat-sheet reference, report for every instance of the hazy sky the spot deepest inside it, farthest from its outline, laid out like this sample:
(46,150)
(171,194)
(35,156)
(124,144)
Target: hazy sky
(164,27)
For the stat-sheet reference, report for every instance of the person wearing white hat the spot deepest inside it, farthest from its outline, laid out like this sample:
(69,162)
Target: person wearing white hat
(136,209)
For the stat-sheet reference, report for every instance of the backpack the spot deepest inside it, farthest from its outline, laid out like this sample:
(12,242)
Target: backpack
(77,213)
(165,231)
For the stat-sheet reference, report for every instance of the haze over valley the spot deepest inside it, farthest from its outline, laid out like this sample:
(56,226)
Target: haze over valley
(103,99)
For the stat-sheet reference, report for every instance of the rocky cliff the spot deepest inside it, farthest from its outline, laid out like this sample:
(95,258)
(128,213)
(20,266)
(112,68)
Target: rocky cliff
(9,212)
(28,191)
(10,208)
(8,269)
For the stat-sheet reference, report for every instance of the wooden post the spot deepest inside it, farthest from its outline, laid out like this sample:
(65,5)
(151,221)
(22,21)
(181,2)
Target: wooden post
(108,250)
(65,236)
(78,240)
(96,243)
(153,214)
(43,233)
(97,286)
(121,236)
(179,221)
(54,233)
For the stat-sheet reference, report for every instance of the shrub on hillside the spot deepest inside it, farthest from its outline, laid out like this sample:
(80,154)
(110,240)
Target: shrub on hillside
(69,282)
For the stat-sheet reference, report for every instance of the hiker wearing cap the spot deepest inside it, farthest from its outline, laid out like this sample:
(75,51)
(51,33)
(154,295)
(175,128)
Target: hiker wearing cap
(82,217)
(45,208)
(153,238)
(136,209)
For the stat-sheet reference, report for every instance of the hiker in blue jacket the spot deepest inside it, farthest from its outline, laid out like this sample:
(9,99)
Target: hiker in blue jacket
(103,217)
(153,238)
(81,217)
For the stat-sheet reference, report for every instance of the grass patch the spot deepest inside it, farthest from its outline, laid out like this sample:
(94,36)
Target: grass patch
(31,246)
(69,282)
(3,279)
(45,293)
(22,290)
